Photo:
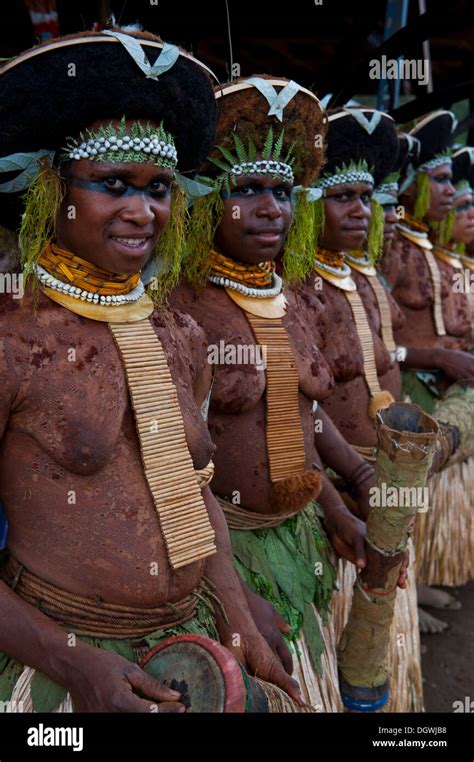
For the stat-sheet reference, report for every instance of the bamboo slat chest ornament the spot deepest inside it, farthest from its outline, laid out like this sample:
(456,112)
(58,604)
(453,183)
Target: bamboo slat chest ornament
(166,460)
(379,398)
(293,485)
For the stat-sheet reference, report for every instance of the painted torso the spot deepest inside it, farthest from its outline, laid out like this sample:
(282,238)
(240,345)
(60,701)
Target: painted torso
(238,409)
(79,509)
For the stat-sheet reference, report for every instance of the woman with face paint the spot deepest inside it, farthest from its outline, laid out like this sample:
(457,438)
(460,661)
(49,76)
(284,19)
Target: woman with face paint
(105,455)
(435,329)
(268,368)
(449,255)
(464,236)
(433,317)
(363,377)
(342,296)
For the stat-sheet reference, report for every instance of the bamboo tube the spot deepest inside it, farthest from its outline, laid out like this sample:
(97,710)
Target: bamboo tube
(407,440)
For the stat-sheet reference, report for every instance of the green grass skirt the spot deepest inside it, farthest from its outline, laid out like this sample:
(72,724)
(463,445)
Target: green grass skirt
(289,565)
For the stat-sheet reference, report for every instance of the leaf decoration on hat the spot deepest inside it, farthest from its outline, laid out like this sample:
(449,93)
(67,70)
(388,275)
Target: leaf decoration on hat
(29,164)
(245,155)
(278,146)
(268,145)
(240,148)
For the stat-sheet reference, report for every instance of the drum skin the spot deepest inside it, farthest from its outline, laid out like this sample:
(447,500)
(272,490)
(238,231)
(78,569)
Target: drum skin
(207,675)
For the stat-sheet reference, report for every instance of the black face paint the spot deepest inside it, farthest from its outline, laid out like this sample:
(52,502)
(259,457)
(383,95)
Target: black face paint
(464,207)
(128,189)
(238,193)
(441,180)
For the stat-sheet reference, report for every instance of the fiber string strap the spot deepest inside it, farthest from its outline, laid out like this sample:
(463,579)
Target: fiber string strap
(436,281)
(385,314)
(279,702)
(243,520)
(91,616)
(284,433)
(167,463)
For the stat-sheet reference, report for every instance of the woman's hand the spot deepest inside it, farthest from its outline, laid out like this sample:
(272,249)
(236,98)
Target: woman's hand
(256,656)
(271,625)
(456,365)
(102,681)
(347,534)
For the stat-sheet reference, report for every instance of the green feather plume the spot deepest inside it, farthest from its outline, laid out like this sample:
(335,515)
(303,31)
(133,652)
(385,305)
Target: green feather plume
(375,234)
(169,249)
(422,202)
(42,201)
(204,219)
(319,221)
(298,254)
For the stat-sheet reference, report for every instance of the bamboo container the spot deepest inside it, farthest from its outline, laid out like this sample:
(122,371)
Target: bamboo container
(407,440)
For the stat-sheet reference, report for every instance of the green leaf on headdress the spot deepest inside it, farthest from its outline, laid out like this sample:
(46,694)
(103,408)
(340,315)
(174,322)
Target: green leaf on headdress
(278,146)
(240,148)
(252,150)
(227,155)
(268,145)
(289,154)
(219,163)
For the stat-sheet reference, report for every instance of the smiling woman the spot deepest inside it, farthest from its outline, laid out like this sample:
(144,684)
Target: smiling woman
(108,439)
(120,212)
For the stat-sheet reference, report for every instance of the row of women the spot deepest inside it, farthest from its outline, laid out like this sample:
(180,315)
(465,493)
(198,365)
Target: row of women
(236,394)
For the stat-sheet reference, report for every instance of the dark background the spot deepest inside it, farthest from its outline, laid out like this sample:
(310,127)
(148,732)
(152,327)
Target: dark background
(325,47)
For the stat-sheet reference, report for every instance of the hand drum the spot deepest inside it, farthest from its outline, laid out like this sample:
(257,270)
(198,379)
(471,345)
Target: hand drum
(208,676)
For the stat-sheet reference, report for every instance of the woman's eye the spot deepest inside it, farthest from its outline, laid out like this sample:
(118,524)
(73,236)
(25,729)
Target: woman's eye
(113,183)
(246,190)
(159,188)
(282,193)
(365,198)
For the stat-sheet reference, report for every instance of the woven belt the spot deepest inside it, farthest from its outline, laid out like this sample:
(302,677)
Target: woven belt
(91,616)
(244,520)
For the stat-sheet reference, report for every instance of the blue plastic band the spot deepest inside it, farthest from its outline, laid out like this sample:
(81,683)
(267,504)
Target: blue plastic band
(364,706)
